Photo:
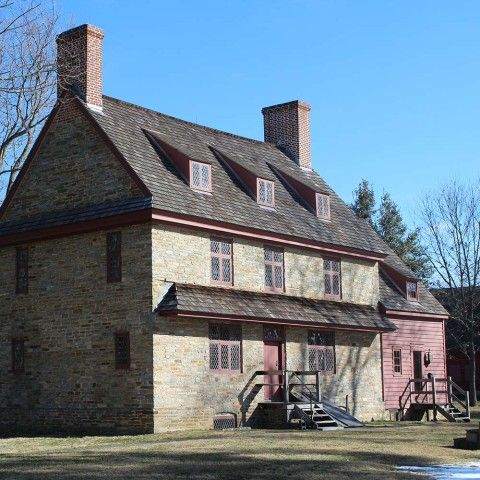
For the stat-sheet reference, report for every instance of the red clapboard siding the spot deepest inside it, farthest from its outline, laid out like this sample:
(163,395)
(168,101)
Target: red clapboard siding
(411,335)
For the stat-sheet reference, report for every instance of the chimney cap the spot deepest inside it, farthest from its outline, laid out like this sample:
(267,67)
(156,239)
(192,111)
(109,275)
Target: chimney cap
(287,105)
(91,30)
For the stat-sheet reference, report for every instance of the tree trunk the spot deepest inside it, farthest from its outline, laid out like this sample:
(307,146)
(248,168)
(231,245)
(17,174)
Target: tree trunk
(473,375)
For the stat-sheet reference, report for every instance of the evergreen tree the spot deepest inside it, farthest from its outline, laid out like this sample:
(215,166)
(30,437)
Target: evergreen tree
(388,223)
(364,202)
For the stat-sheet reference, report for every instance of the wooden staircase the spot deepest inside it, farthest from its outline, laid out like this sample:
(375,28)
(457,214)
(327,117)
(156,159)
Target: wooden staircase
(313,416)
(439,395)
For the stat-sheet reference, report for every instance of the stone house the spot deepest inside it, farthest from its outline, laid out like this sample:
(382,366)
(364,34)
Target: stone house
(152,269)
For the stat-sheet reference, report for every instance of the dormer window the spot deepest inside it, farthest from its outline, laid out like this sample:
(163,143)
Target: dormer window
(412,291)
(200,176)
(323,206)
(265,192)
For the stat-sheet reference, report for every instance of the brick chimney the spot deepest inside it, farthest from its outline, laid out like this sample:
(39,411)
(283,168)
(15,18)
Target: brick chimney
(79,63)
(288,126)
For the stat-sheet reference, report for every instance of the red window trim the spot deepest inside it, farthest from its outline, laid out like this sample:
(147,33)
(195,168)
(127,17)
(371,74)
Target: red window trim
(222,256)
(16,341)
(317,197)
(273,263)
(333,273)
(265,204)
(196,187)
(229,344)
(400,373)
(409,298)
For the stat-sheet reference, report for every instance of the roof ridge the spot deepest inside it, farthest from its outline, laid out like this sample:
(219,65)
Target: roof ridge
(187,122)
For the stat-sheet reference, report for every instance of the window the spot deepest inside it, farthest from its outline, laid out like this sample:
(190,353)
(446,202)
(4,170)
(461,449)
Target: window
(273,268)
(225,348)
(332,277)
(323,206)
(114,257)
(22,270)
(412,291)
(201,176)
(397,361)
(265,192)
(221,261)
(18,355)
(122,350)
(321,351)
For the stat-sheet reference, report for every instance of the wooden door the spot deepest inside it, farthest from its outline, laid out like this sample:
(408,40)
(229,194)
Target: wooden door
(273,360)
(417,368)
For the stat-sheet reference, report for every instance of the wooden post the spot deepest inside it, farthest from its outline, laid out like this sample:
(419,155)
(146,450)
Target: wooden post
(467,402)
(434,398)
(317,387)
(449,389)
(285,387)
(347,407)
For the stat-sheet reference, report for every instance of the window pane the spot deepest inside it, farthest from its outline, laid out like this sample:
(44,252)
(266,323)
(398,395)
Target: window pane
(278,256)
(278,277)
(226,248)
(215,268)
(214,356)
(335,265)
(328,284)
(213,332)
(327,264)
(195,174)
(226,270)
(329,360)
(214,246)
(205,177)
(321,359)
(235,356)
(312,359)
(261,191)
(268,276)
(335,285)
(224,357)
(269,194)
(268,254)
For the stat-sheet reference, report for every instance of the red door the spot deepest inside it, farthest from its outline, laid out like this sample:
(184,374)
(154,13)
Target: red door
(273,360)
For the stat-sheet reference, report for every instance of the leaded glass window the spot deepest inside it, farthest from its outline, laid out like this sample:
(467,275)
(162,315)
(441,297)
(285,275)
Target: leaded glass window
(221,261)
(22,270)
(412,291)
(114,257)
(200,176)
(321,351)
(274,272)
(323,206)
(332,277)
(265,192)
(122,350)
(225,347)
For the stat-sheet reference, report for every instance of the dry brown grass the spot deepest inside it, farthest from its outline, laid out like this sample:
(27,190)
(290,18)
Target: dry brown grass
(371,453)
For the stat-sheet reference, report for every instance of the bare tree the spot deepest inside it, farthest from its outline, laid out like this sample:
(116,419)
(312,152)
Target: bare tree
(27,79)
(451,221)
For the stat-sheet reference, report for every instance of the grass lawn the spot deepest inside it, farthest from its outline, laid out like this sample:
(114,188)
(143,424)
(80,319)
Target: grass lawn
(368,453)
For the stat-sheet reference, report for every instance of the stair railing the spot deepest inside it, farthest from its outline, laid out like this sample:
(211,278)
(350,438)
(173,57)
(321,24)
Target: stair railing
(452,386)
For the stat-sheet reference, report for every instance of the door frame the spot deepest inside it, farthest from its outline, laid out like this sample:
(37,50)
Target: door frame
(281,342)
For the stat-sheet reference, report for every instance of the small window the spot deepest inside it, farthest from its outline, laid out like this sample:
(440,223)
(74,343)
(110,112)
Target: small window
(200,176)
(274,272)
(22,270)
(332,278)
(18,355)
(225,348)
(412,291)
(265,192)
(397,361)
(221,261)
(114,257)
(122,350)
(321,351)
(323,206)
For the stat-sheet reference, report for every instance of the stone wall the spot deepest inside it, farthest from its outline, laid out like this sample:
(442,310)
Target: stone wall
(68,320)
(188,394)
(183,256)
(73,168)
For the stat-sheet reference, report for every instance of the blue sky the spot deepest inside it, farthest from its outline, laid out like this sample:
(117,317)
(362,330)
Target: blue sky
(394,86)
